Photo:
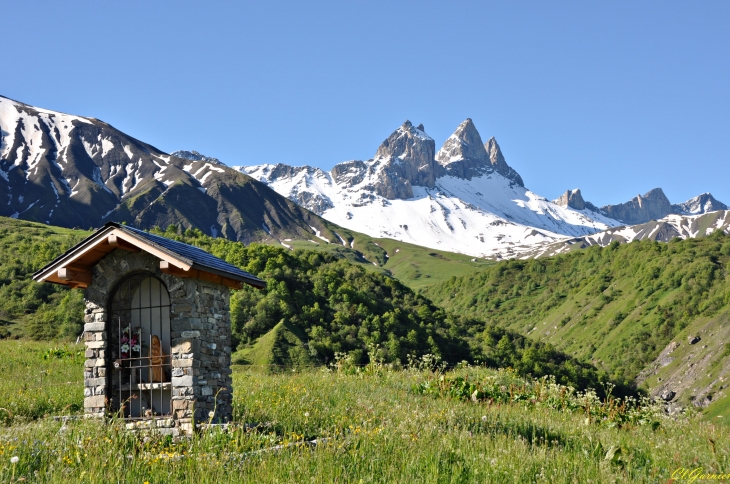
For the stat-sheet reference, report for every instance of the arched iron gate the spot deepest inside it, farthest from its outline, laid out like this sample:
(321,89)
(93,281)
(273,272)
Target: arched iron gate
(140,343)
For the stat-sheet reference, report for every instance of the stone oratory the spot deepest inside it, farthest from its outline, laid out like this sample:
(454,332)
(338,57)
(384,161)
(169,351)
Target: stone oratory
(157,327)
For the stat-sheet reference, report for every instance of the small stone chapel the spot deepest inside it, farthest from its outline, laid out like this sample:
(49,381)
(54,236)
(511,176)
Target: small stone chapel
(157,327)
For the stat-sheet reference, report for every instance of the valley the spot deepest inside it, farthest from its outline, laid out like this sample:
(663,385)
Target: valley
(457,249)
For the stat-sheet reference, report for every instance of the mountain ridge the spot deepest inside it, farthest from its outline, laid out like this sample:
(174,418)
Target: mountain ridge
(74,171)
(470,202)
(653,205)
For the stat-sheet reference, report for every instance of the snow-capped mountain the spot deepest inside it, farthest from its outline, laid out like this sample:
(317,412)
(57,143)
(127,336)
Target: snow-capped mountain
(662,230)
(195,156)
(74,171)
(653,205)
(698,205)
(465,198)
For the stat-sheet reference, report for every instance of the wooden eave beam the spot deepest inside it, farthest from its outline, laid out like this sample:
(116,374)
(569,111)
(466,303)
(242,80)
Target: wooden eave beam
(118,243)
(168,268)
(74,278)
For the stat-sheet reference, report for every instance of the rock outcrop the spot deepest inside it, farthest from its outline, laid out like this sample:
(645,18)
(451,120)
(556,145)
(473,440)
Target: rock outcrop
(195,156)
(498,163)
(651,206)
(404,159)
(698,205)
(463,155)
(572,199)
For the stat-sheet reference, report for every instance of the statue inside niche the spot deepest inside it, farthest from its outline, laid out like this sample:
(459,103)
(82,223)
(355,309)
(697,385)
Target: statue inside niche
(156,372)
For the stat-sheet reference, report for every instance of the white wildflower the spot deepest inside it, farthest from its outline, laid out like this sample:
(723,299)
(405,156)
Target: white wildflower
(15,459)
(306,414)
(484,418)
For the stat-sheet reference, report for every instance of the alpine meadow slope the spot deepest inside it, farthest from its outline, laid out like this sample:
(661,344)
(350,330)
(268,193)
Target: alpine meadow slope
(653,313)
(315,307)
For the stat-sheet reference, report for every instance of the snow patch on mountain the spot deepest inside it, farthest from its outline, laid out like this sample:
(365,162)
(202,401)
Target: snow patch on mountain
(473,209)
(487,216)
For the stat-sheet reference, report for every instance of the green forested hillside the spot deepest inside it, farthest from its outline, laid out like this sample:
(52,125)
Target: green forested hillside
(26,307)
(316,305)
(415,266)
(618,306)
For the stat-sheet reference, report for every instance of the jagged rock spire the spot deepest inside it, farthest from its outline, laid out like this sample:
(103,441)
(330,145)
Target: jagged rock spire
(572,199)
(406,158)
(653,205)
(499,164)
(464,145)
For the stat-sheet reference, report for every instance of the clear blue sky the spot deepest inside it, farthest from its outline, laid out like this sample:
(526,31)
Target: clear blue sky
(613,97)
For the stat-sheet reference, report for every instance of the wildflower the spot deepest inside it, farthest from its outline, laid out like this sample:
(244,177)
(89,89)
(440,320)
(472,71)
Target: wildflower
(15,459)
(306,414)
(211,413)
(484,418)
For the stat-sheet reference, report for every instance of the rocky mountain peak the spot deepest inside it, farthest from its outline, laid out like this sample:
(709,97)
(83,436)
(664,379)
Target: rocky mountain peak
(698,205)
(195,156)
(404,159)
(572,199)
(463,154)
(496,158)
(653,205)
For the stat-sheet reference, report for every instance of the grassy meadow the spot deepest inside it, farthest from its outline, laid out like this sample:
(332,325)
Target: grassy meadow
(372,424)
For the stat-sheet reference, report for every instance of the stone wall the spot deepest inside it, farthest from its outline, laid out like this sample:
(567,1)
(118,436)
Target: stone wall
(200,333)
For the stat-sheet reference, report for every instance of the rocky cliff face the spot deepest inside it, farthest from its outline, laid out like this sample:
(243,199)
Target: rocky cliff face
(499,164)
(404,159)
(651,206)
(73,171)
(572,199)
(463,155)
(195,156)
(698,205)
(655,205)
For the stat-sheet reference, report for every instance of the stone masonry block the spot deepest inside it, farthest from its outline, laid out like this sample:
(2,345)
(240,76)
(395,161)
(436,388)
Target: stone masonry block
(183,381)
(94,382)
(93,327)
(98,401)
(183,347)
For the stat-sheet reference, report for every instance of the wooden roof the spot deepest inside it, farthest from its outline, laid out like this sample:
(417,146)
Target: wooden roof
(73,268)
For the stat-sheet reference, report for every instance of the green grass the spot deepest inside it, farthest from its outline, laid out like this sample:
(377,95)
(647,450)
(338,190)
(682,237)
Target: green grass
(415,266)
(617,306)
(26,306)
(283,346)
(378,429)
(39,379)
